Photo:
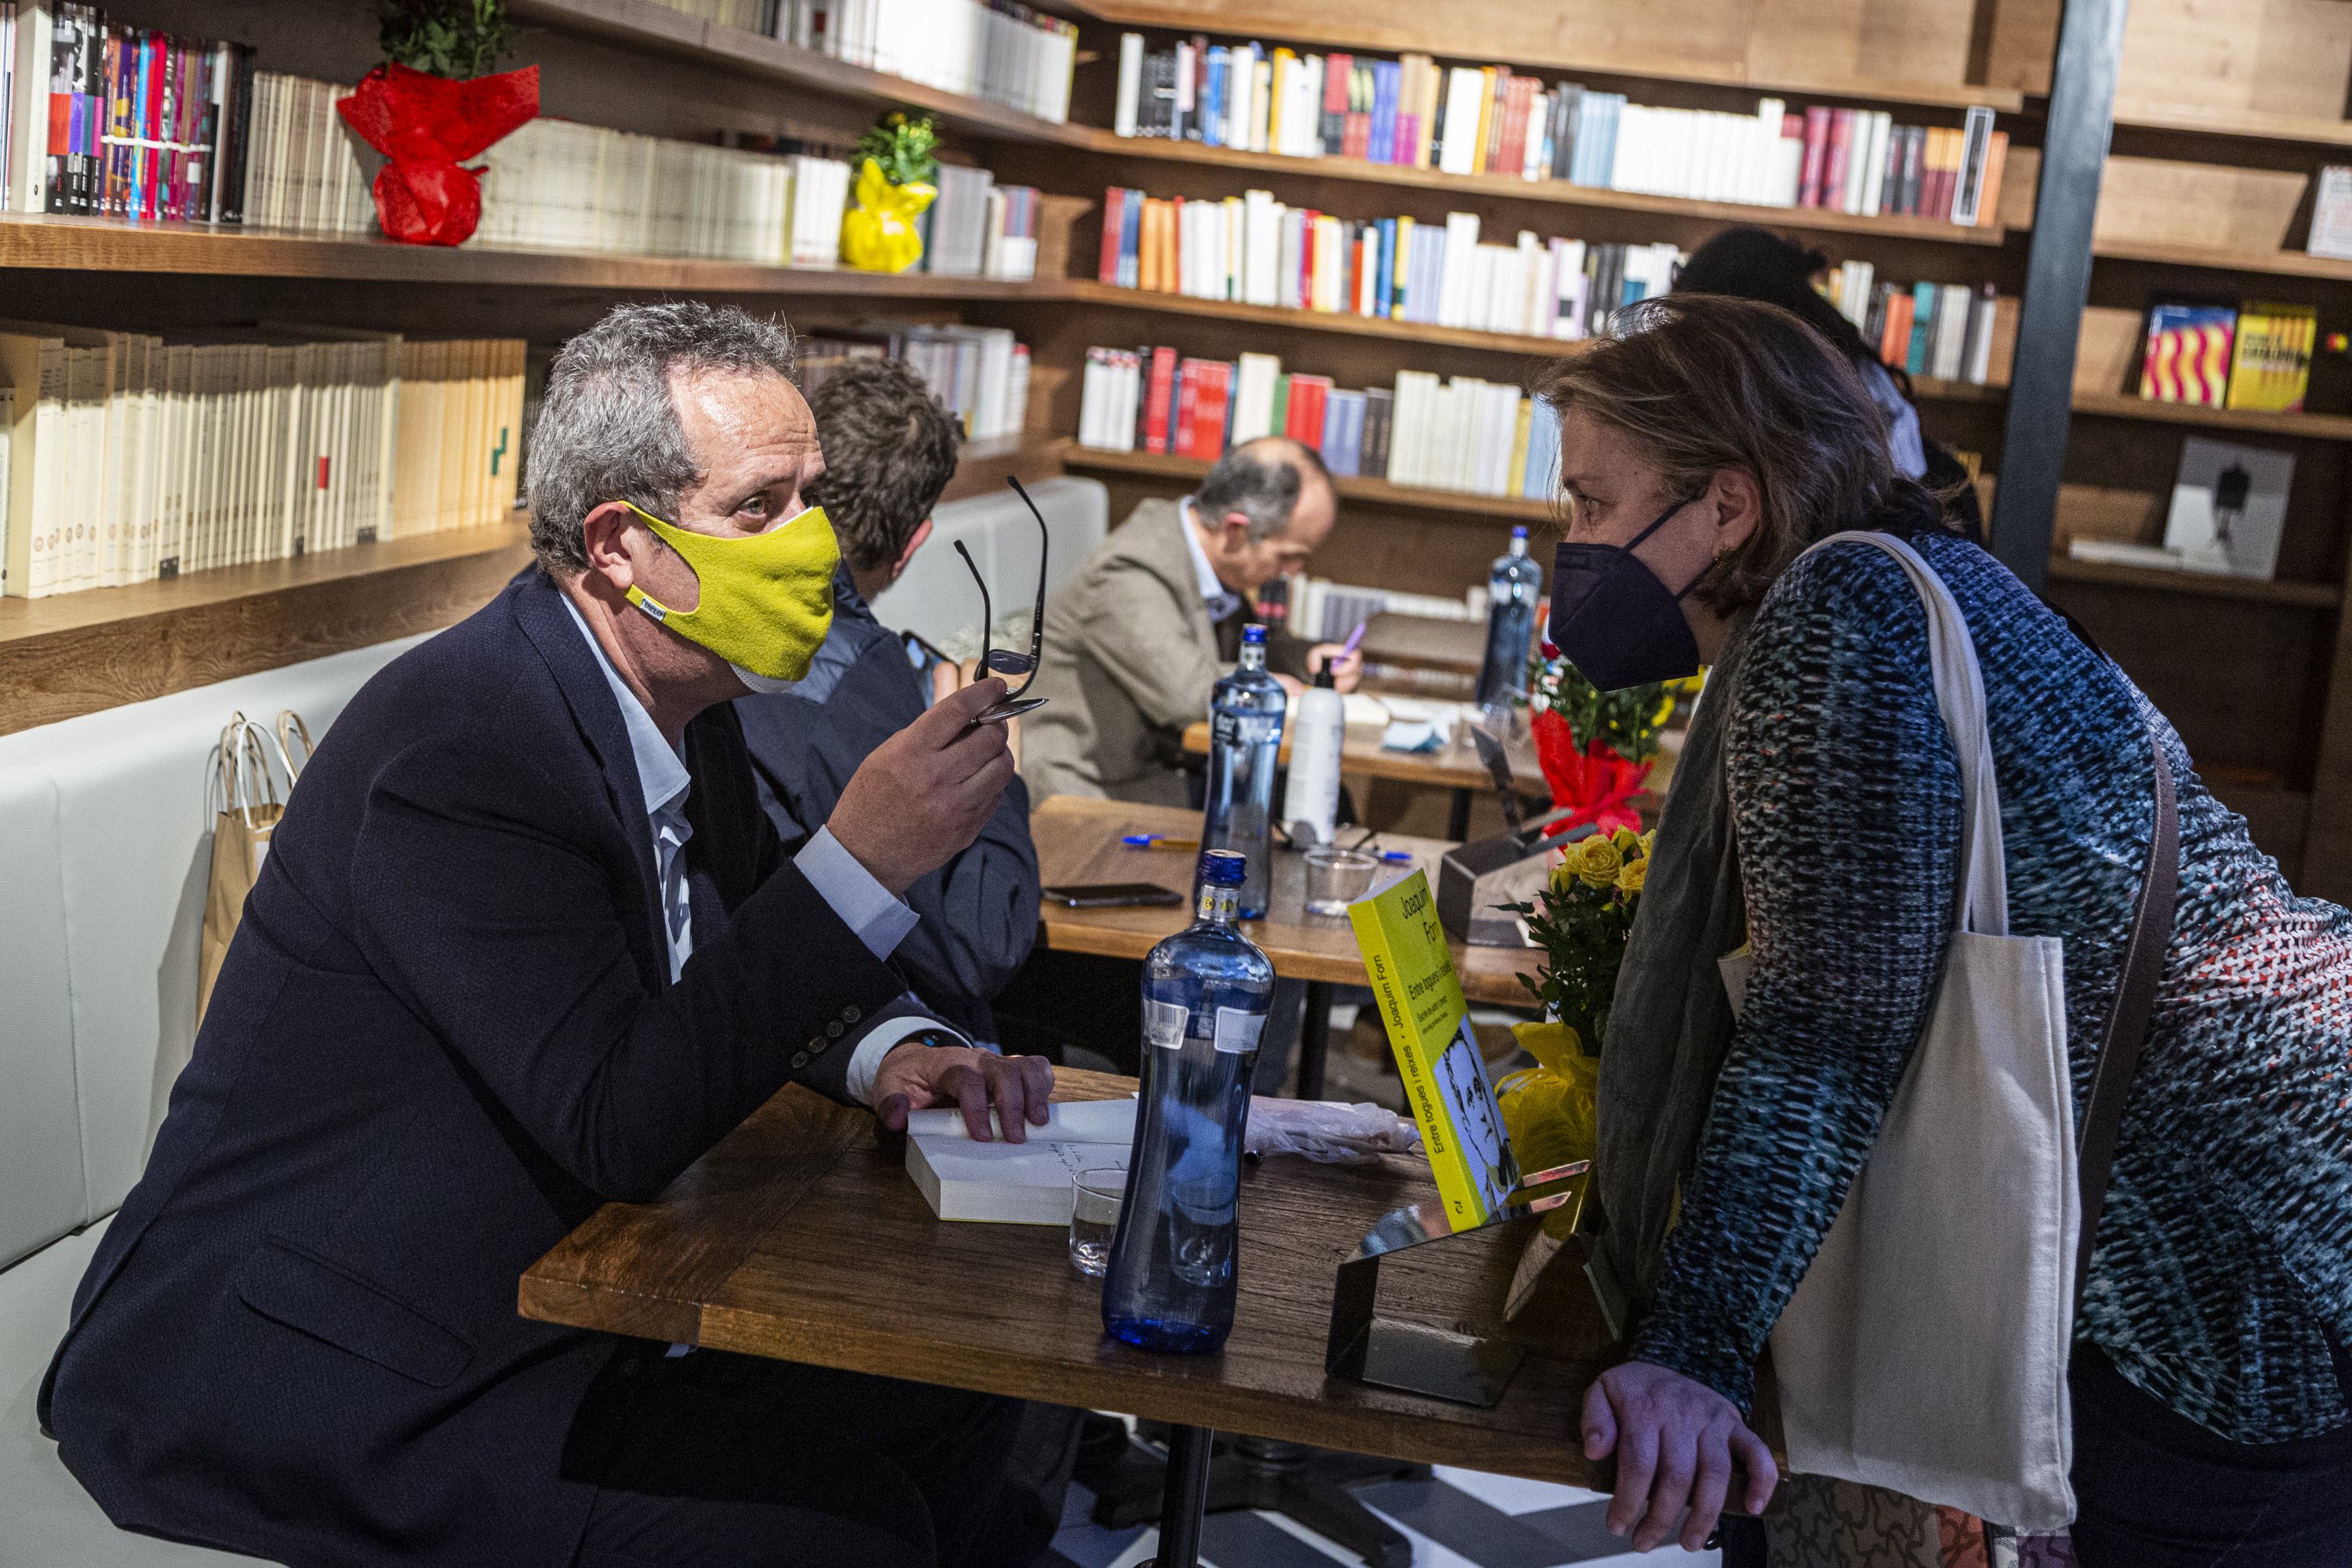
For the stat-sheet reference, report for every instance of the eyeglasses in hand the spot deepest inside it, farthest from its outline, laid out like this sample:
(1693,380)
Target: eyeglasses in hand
(1005,662)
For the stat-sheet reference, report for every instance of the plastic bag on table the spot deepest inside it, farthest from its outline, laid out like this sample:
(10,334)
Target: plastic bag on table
(1328,1132)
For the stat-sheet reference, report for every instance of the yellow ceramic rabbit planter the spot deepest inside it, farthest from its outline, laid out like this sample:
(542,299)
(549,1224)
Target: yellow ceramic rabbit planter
(878,235)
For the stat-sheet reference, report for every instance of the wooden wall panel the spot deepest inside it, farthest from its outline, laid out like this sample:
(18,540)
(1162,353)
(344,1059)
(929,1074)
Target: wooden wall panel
(2287,58)
(2024,39)
(1874,40)
(2159,201)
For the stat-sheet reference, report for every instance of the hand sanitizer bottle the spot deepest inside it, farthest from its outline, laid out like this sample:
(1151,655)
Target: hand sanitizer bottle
(1310,801)
(1173,1264)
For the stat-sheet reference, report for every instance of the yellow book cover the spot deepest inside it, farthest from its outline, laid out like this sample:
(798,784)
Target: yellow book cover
(1486,118)
(1431,82)
(1428,1023)
(2270,366)
(1523,429)
(1285,62)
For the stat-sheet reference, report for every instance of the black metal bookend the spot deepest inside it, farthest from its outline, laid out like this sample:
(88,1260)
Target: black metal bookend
(1365,1347)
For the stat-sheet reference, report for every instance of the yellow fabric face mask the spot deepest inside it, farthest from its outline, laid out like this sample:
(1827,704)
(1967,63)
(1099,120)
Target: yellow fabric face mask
(767,598)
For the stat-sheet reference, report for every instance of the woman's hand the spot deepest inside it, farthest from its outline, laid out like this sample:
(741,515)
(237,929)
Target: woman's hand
(1675,1441)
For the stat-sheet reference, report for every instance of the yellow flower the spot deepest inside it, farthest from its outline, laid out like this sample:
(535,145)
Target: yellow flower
(1626,840)
(1649,843)
(1633,874)
(1597,861)
(1665,711)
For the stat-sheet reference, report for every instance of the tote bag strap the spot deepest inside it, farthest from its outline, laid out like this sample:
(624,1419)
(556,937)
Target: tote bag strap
(1960,697)
(2135,1009)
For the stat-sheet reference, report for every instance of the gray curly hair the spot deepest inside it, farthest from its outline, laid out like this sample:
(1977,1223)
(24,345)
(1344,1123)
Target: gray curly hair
(607,429)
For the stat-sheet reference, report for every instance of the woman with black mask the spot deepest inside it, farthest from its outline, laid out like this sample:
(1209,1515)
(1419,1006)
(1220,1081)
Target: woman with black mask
(1816,817)
(1751,263)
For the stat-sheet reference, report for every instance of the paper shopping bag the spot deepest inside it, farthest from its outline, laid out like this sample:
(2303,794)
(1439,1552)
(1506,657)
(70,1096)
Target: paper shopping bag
(249,810)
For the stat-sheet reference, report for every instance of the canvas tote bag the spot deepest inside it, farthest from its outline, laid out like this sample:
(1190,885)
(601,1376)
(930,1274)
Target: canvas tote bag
(1925,1350)
(249,811)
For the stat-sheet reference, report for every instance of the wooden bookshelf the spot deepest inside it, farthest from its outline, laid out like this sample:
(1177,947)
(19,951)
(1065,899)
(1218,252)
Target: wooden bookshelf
(112,245)
(1560,193)
(2249,125)
(2269,263)
(77,653)
(1464,504)
(1287,317)
(2197,584)
(1297,25)
(2125,406)
(647,24)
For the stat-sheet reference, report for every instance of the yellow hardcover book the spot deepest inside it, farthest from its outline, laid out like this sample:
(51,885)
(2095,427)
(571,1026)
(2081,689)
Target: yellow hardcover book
(33,367)
(1420,999)
(1486,118)
(2270,367)
(1520,434)
(1430,85)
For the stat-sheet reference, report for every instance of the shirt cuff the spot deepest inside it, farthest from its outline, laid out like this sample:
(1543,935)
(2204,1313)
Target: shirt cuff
(867,1060)
(880,920)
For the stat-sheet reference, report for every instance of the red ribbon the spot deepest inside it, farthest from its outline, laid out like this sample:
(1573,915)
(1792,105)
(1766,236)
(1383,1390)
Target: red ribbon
(1596,782)
(428,126)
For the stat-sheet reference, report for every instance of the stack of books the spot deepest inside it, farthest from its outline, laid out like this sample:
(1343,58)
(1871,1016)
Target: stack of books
(132,457)
(752,15)
(977,228)
(980,374)
(1323,611)
(1493,121)
(1942,329)
(999,50)
(1482,438)
(561,185)
(1255,249)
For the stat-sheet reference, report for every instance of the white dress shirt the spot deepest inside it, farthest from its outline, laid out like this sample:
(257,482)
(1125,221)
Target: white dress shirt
(1222,600)
(878,917)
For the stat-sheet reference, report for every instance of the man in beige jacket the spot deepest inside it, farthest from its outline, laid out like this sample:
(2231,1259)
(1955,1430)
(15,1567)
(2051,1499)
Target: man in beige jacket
(1136,639)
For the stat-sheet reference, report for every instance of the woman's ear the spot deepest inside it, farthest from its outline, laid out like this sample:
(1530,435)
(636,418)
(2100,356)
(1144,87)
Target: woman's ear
(1738,504)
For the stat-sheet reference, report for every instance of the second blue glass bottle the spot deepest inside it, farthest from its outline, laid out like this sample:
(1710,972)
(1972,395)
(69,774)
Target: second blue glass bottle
(1174,1263)
(1513,585)
(1244,743)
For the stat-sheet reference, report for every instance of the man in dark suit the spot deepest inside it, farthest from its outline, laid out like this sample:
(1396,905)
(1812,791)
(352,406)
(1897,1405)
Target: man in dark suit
(889,451)
(525,944)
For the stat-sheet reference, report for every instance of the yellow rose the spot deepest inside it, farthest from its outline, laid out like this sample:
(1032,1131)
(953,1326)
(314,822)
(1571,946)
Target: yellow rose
(1633,875)
(1597,861)
(1649,843)
(1626,840)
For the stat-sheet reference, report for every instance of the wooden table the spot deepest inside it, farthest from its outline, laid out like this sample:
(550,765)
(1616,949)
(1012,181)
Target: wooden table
(799,1236)
(1079,842)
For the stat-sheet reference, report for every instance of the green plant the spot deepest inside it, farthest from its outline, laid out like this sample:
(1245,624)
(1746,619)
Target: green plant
(1581,921)
(1628,719)
(460,39)
(906,148)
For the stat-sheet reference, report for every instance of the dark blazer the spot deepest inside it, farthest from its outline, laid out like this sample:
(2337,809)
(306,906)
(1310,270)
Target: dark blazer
(444,1033)
(980,910)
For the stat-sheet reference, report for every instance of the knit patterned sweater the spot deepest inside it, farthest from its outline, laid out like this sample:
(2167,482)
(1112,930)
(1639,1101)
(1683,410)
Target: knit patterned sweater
(2226,1238)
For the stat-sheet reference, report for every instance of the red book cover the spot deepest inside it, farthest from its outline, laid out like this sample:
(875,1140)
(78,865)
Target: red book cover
(1188,407)
(1511,152)
(1114,205)
(1894,345)
(1159,400)
(1303,422)
(1817,146)
(1209,417)
(1934,191)
(1841,154)
(1307,258)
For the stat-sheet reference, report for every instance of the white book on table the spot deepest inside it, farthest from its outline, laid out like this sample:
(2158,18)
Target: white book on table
(1015,1183)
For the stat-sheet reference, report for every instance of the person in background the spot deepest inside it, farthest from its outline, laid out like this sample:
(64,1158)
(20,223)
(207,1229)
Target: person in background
(1816,814)
(889,450)
(1750,263)
(1136,639)
(525,944)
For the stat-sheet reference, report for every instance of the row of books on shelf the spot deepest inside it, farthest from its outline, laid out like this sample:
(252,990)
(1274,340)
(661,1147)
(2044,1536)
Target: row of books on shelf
(1320,610)
(997,50)
(1947,331)
(1253,249)
(1478,437)
(980,374)
(1493,121)
(129,457)
(2253,355)
(103,119)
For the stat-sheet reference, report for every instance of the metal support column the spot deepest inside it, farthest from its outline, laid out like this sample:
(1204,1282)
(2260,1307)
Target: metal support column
(1184,1497)
(2057,285)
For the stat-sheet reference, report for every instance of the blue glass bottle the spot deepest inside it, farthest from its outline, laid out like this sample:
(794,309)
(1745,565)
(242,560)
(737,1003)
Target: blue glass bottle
(1173,1263)
(1514,584)
(1245,741)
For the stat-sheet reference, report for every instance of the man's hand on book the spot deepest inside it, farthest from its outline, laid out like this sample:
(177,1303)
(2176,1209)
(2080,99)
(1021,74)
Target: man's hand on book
(914,1077)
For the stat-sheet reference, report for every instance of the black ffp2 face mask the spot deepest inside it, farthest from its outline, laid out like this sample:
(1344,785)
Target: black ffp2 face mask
(1611,617)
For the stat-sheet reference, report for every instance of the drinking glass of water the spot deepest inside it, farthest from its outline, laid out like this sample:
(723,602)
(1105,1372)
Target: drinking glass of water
(1095,1197)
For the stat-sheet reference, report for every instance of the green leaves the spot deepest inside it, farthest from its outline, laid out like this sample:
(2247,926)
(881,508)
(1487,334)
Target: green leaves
(460,39)
(905,147)
(1628,720)
(1583,931)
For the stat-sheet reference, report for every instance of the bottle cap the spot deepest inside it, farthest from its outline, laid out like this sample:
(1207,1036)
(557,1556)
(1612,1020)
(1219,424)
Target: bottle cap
(1323,680)
(1224,868)
(1253,633)
(1518,534)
